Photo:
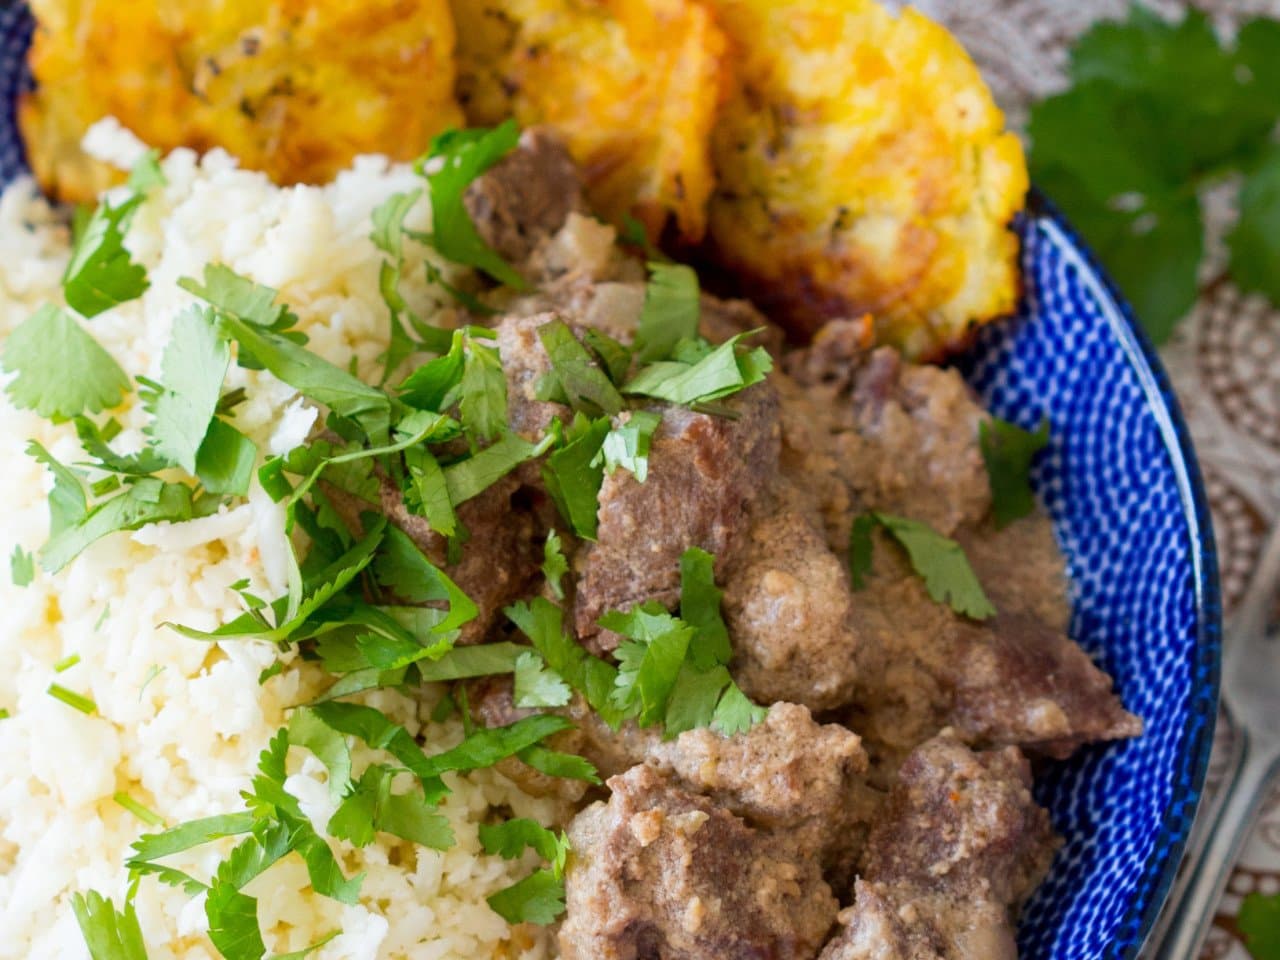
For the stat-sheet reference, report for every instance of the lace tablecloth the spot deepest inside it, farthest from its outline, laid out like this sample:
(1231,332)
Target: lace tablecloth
(1224,360)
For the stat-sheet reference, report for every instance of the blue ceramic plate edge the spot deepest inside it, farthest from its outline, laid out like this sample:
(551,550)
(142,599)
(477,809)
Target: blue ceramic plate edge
(1158,877)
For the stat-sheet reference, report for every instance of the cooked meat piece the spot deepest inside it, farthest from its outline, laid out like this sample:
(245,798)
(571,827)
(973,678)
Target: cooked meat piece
(956,847)
(838,352)
(525,198)
(1014,679)
(501,559)
(914,448)
(704,473)
(789,776)
(963,822)
(661,873)
(787,605)
(525,363)
(723,319)
(1021,681)
(862,166)
(1021,568)
(884,925)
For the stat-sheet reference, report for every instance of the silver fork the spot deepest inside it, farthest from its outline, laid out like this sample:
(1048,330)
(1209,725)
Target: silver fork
(1251,697)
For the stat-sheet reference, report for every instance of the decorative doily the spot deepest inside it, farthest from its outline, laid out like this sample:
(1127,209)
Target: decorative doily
(1224,359)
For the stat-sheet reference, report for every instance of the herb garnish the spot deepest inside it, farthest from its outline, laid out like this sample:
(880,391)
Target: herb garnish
(61,370)
(1259,921)
(1007,451)
(110,934)
(938,560)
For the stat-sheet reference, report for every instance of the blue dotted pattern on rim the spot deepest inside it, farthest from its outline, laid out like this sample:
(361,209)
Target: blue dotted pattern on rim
(15,36)
(1121,485)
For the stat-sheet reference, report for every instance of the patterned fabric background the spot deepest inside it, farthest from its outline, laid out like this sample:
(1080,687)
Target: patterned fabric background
(1224,360)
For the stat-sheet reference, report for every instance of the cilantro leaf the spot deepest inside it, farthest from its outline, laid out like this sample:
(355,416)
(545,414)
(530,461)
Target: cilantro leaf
(100,273)
(940,562)
(428,493)
(239,297)
(330,747)
(1255,241)
(543,623)
(649,660)
(554,564)
(455,159)
(233,922)
(67,504)
(61,370)
(585,385)
(225,460)
(147,501)
(483,391)
(192,370)
(387,236)
(22,567)
(536,686)
(472,476)
(474,661)
(146,174)
(861,548)
(1007,451)
(614,357)
(538,898)
(670,312)
(434,385)
(573,475)
(404,568)
(700,608)
(109,934)
(371,808)
(694,698)
(722,372)
(735,713)
(510,838)
(553,763)
(1259,921)
(627,445)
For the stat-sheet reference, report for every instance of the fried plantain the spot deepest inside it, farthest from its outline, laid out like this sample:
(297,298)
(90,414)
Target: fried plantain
(863,167)
(631,85)
(294,88)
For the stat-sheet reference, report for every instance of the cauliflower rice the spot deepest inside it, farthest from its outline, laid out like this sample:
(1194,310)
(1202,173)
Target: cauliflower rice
(180,723)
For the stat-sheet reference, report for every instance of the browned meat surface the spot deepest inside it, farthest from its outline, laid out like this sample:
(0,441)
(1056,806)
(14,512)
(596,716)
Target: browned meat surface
(525,362)
(704,474)
(1023,682)
(660,873)
(788,608)
(956,847)
(789,776)
(526,196)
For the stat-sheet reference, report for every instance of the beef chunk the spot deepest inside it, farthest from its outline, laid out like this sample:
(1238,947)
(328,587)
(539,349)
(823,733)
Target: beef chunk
(957,846)
(526,196)
(1020,681)
(704,474)
(525,363)
(885,925)
(789,776)
(499,562)
(662,874)
(835,356)
(788,606)
(721,320)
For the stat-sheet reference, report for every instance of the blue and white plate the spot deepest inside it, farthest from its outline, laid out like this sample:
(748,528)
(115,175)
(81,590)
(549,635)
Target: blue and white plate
(1121,482)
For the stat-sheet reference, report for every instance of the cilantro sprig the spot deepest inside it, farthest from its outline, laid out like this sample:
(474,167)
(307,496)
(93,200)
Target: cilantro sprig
(539,897)
(1008,452)
(1157,111)
(1259,921)
(939,561)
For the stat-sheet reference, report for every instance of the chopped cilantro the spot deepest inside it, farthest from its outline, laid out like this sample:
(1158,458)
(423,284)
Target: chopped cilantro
(192,370)
(66,663)
(472,476)
(148,817)
(483,391)
(700,608)
(722,372)
(670,313)
(61,371)
(694,698)
(556,764)
(146,174)
(455,159)
(329,746)
(370,807)
(434,385)
(404,568)
(428,493)
(67,503)
(22,567)
(536,686)
(584,384)
(1259,921)
(538,898)
(627,444)
(510,838)
(76,701)
(554,564)
(635,234)
(225,460)
(236,296)
(1008,450)
(109,934)
(100,273)
(147,501)
(735,713)
(649,660)
(574,472)
(613,356)
(1254,242)
(938,560)
(387,236)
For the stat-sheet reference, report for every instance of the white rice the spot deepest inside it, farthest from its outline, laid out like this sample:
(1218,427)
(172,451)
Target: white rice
(180,723)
